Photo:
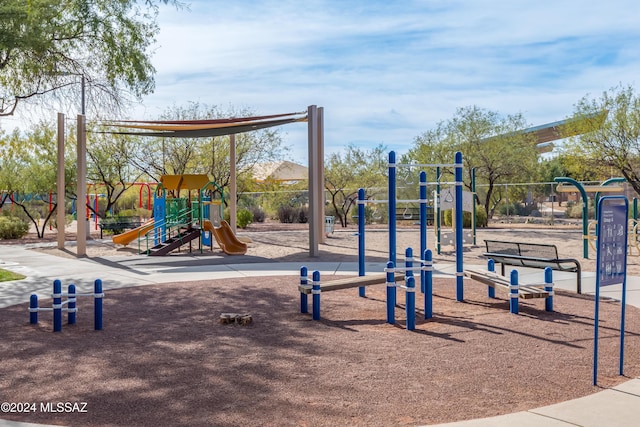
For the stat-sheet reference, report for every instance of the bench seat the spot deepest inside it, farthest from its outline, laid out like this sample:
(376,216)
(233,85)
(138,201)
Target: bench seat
(495,280)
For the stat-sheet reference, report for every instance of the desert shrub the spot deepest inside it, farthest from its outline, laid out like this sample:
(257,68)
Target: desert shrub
(481,218)
(259,215)
(514,208)
(303,215)
(574,210)
(290,215)
(287,214)
(68,219)
(244,218)
(12,228)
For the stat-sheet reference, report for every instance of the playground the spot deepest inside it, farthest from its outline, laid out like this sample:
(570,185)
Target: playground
(163,354)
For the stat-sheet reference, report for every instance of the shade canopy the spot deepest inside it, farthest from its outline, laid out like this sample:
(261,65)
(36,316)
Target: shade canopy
(184,182)
(200,128)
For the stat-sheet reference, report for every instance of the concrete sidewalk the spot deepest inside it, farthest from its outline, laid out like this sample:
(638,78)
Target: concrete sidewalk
(619,406)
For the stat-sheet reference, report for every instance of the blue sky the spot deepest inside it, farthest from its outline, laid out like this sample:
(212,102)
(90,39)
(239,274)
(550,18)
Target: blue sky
(386,71)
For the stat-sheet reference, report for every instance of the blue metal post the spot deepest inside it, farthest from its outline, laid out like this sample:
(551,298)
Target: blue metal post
(392,207)
(410,289)
(97,304)
(71,304)
(423,225)
(411,303)
(57,305)
(428,292)
(33,309)
(459,241)
(391,294)
(438,223)
(548,287)
(513,292)
(304,300)
(361,243)
(315,290)
(491,266)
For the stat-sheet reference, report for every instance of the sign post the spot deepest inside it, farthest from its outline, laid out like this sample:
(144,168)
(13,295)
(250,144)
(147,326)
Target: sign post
(611,262)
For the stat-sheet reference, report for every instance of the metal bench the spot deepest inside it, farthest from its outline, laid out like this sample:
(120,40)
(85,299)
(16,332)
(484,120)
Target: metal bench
(119,223)
(413,214)
(531,255)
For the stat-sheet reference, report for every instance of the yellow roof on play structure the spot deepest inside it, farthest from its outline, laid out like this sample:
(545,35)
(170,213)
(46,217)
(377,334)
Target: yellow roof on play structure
(184,182)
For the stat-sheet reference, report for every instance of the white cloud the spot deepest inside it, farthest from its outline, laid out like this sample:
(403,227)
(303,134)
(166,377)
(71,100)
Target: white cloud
(387,71)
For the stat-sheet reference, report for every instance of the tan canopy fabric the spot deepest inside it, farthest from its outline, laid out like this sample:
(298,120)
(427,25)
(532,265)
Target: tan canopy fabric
(201,128)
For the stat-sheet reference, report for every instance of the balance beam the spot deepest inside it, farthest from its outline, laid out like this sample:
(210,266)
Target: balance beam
(351,282)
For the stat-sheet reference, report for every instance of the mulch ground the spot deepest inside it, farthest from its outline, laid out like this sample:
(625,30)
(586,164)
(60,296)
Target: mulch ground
(163,357)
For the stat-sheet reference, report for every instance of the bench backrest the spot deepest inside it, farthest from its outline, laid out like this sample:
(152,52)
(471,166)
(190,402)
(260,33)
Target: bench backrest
(535,250)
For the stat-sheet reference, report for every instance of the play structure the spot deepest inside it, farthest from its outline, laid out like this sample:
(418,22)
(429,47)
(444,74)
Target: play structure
(390,278)
(185,208)
(58,305)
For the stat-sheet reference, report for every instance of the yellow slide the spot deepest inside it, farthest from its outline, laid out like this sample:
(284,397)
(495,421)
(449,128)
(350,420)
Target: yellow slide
(131,235)
(226,238)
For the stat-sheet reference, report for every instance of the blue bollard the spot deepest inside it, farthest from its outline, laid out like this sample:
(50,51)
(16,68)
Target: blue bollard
(33,309)
(491,266)
(304,300)
(428,292)
(391,294)
(513,292)
(411,303)
(362,292)
(423,226)
(71,304)
(97,304)
(315,290)
(548,286)
(57,305)
(408,262)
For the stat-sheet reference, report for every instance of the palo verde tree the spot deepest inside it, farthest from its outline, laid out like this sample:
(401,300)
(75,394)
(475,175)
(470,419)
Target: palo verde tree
(491,143)
(48,46)
(609,134)
(211,155)
(110,166)
(345,174)
(28,170)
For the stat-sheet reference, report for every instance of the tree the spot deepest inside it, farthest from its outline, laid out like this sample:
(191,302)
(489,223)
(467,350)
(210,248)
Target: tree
(45,46)
(609,133)
(110,166)
(210,155)
(492,144)
(28,173)
(344,175)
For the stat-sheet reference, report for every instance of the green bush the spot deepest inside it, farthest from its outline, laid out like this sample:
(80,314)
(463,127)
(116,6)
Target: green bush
(481,218)
(514,208)
(12,228)
(574,210)
(68,219)
(244,218)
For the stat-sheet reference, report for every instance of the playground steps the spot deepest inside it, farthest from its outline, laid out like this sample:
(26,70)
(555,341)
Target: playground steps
(175,242)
